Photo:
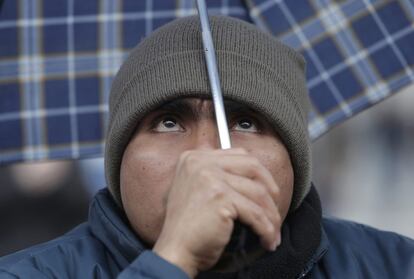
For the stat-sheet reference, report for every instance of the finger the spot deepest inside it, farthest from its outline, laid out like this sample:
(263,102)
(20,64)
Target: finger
(252,215)
(236,161)
(192,157)
(256,192)
(249,167)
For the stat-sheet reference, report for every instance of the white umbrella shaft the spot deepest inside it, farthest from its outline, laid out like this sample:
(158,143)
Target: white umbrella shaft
(213,75)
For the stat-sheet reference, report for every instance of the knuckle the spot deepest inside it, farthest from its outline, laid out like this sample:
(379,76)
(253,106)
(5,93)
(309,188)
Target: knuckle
(226,214)
(216,192)
(184,156)
(274,192)
(190,159)
(258,214)
(255,165)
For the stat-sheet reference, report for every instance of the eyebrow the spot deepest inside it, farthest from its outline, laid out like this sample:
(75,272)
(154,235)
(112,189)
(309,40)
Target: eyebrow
(184,108)
(180,106)
(233,107)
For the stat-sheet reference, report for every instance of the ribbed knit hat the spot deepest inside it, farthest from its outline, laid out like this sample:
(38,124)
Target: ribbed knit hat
(255,69)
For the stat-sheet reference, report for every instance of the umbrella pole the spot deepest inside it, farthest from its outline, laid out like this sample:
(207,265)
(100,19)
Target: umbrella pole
(213,76)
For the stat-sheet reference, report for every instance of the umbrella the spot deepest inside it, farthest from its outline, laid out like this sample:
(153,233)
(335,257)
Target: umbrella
(58,58)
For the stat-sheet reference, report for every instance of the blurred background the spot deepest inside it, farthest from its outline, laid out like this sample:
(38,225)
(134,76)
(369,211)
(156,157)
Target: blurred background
(364,168)
(58,59)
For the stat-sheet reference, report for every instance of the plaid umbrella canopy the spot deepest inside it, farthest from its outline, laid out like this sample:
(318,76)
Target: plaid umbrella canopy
(58,58)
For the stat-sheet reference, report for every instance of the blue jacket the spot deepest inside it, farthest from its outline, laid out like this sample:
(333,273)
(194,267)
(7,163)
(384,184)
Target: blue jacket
(105,247)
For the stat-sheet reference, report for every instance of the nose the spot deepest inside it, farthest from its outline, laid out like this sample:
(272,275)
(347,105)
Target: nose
(205,135)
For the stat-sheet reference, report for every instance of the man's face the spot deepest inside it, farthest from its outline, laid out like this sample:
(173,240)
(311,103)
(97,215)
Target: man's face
(149,161)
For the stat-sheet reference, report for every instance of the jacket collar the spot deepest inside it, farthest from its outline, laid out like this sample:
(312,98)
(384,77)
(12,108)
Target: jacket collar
(109,224)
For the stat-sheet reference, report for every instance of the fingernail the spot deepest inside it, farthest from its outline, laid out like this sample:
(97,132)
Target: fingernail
(276,243)
(274,246)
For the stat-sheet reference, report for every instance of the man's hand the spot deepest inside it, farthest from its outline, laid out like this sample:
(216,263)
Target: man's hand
(210,190)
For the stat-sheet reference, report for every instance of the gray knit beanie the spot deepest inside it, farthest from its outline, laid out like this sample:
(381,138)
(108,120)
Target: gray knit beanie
(255,69)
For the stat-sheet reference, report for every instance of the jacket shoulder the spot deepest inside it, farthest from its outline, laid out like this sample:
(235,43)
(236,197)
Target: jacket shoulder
(360,250)
(340,230)
(64,253)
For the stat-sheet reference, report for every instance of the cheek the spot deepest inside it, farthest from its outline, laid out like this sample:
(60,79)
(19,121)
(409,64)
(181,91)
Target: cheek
(280,165)
(145,178)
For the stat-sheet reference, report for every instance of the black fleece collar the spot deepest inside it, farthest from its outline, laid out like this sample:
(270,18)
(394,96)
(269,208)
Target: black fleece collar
(300,247)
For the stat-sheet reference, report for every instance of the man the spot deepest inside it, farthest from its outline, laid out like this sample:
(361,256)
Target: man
(174,196)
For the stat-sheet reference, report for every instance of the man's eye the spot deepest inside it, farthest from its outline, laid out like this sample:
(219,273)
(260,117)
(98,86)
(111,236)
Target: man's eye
(246,125)
(167,124)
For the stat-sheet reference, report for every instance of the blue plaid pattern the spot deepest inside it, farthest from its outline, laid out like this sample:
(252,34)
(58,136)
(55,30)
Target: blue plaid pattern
(58,58)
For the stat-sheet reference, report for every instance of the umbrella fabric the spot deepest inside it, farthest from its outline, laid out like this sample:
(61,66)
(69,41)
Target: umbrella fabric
(58,58)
